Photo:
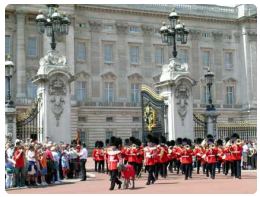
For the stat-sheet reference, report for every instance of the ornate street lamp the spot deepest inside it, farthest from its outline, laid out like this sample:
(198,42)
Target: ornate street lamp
(176,31)
(209,77)
(9,70)
(56,24)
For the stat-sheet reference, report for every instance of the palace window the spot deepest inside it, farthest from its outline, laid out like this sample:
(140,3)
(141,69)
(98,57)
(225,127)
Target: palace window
(230,98)
(8,45)
(134,29)
(32,47)
(109,92)
(134,54)
(108,53)
(183,56)
(228,60)
(159,56)
(109,134)
(31,90)
(135,93)
(81,90)
(81,52)
(206,58)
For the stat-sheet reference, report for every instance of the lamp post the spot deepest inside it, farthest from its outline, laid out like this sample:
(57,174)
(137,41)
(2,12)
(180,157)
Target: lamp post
(56,24)
(174,32)
(9,70)
(209,77)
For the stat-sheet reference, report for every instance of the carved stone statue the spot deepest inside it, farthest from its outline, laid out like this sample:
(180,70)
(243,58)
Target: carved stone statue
(182,94)
(53,58)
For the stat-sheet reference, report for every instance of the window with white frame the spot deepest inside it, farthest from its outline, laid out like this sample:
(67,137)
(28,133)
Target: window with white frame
(136,134)
(205,95)
(8,45)
(31,90)
(206,58)
(183,56)
(81,90)
(109,92)
(81,51)
(228,60)
(32,47)
(135,93)
(159,56)
(134,55)
(109,134)
(230,97)
(108,53)
(134,29)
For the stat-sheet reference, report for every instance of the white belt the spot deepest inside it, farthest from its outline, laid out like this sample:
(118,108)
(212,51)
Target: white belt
(185,156)
(211,155)
(236,151)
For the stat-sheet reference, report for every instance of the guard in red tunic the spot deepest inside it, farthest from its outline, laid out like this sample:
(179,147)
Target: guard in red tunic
(177,150)
(220,154)
(227,159)
(100,156)
(186,158)
(124,151)
(236,153)
(198,152)
(170,154)
(139,157)
(163,156)
(211,157)
(94,155)
(113,159)
(150,153)
(132,153)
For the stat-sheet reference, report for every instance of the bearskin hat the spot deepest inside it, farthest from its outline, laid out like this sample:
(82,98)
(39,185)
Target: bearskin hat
(101,144)
(189,142)
(220,142)
(127,141)
(113,141)
(209,136)
(107,142)
(96,144)
(178,141)
(149,138)
(132,140)
(227,139)
(210,141)
(118,142)
(172,143)
(138,142)
(184,141)
(155,140)
(235,136)
(162,139)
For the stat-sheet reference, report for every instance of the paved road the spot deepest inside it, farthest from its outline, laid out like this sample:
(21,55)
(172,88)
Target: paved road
(173,184)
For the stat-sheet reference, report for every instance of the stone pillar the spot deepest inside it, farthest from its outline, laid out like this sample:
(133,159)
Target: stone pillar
(20,55)
(211,119)
(176,87)
(10,124)
(53,88)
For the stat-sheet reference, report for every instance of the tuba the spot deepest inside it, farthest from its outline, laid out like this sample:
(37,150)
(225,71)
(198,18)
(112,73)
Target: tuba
(211,146)
(187,146)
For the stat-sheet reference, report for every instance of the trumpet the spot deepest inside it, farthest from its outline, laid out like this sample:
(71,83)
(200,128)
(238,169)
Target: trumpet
(204,143)
(238,141)
(187,146)
(212,146)
(228,143)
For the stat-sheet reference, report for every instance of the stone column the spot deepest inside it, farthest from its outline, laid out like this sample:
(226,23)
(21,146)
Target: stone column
(20,55)
(176,87)
(211,119)
(53,88)
(10,124)
(147,30)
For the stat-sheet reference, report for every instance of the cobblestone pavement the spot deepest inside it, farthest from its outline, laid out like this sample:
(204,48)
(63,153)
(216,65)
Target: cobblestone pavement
(173,184)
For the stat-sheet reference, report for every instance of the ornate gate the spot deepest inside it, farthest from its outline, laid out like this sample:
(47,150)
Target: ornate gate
(27,124)
(153,111)
(200,126)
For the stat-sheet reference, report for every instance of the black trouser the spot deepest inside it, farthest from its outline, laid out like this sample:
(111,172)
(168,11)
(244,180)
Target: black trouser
(163,169)
(212,168)
(218,165)
(198,164)
(139,168)
(178,165)
(83,168)
(186,169)
(204,167)
(170,165)
(101,166)
(156,170)
(237,168)
(114,179)
(190,170)
(150,174)
(96,164)
(227,166)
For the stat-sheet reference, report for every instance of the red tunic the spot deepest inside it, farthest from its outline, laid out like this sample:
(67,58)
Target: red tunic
(150,153)
(99,155)
(140,155)
(198,153)
(113,158)
(211,155)
(236,152)
(128,172)
(94,154)
(132,154)
(186,156)
(227,154)
(162,153)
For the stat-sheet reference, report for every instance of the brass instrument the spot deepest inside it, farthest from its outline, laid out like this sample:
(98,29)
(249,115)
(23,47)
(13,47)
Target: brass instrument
(204,143)
(238,141)
(187,146)
(228,143)
(211,146)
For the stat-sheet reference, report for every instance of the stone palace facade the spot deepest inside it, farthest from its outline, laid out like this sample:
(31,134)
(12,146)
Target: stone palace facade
(113,49)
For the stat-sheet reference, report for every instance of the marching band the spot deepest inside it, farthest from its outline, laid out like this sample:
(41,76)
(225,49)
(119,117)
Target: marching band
(158,156)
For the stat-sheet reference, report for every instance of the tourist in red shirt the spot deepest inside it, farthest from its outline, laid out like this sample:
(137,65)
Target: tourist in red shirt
(19,157)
